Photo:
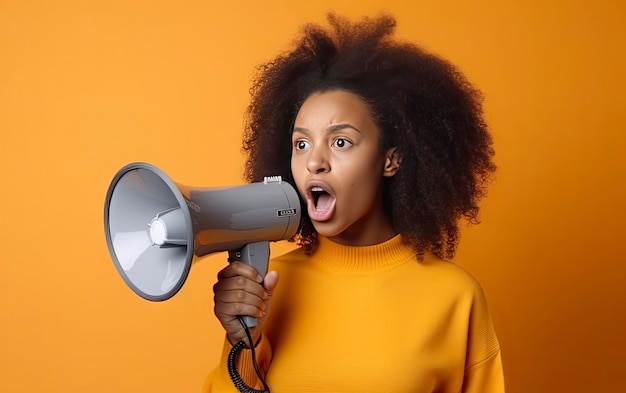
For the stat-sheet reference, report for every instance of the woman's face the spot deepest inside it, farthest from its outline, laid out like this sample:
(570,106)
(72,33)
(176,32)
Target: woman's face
(338,166)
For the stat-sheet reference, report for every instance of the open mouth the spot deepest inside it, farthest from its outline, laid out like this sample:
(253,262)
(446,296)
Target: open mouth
(322,200)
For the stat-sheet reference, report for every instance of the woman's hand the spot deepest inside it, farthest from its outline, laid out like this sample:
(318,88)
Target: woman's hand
(240,290)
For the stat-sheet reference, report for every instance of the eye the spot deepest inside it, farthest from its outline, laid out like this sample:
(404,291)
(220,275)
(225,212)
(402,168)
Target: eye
(301,144)
(342,143)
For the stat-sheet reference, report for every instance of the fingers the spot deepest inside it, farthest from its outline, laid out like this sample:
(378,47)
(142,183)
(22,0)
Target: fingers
(239,296)
(239,283)
(241,291)
(238,268)
(238,292)
(229,304)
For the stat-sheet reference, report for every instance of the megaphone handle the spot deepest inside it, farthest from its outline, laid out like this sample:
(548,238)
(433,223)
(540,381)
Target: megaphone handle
(257,255)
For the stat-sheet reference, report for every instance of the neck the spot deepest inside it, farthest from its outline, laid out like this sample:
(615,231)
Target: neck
(364,238)
(375,228)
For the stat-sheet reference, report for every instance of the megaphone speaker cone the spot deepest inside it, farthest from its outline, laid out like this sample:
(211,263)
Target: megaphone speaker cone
(148,231)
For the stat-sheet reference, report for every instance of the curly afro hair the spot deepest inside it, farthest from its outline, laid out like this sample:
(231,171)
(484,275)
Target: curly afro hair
(422,104)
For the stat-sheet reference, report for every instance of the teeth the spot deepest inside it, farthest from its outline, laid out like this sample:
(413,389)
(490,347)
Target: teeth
(317,189)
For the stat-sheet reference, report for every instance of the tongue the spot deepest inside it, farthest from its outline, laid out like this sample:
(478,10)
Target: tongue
(323,202)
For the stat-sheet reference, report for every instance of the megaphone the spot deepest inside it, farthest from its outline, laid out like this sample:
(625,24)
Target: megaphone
(154,226)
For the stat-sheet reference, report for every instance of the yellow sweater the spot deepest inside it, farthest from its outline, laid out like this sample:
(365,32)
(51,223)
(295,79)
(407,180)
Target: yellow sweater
(372,319)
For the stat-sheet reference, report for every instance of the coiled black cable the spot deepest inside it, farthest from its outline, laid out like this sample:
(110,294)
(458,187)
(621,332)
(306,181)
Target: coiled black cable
(239,383)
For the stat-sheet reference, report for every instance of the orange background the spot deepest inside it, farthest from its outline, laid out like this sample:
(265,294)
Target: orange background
(86,87)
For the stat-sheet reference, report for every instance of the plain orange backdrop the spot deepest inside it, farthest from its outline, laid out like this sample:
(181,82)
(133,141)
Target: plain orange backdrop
(86,87)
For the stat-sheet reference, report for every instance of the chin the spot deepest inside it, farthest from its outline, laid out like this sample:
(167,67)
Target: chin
(326,228)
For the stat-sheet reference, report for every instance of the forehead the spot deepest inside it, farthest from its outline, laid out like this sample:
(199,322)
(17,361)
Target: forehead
(335,106)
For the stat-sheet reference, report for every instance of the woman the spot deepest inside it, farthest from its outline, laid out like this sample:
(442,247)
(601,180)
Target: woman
(388,149)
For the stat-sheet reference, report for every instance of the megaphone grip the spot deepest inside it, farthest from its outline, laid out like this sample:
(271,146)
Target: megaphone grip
(257,255)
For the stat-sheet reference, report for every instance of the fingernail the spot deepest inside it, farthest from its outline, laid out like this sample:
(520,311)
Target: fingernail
(259,279)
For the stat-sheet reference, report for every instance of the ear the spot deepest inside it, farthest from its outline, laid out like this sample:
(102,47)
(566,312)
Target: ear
(393,160)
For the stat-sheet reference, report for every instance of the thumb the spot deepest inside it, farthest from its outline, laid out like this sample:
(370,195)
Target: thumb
(270,281)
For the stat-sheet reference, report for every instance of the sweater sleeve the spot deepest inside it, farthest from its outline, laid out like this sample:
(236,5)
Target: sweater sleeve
(485,377)
(218,380)
(483,371)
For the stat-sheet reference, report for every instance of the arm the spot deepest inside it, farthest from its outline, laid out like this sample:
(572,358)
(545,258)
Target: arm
(483,372)
(485,376)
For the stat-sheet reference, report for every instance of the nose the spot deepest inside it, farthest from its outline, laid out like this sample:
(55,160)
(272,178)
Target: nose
(317,161)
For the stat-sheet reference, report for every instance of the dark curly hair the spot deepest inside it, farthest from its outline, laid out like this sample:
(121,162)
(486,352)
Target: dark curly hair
(422,104)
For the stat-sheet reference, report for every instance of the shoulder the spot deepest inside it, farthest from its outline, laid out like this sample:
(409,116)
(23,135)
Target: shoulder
(448,276)
(467,298)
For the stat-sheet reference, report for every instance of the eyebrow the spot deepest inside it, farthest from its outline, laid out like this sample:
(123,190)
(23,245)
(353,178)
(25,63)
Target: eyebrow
(331,129)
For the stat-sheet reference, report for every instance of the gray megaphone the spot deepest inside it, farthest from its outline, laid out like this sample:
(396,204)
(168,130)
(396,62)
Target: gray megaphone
(154,226)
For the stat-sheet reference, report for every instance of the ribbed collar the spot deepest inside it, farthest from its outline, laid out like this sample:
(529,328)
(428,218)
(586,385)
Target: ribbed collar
(338,257)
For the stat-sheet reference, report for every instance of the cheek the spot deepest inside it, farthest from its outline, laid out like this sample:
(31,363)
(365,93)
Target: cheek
(365,183)
(295,167)
(296,172)
(294,163)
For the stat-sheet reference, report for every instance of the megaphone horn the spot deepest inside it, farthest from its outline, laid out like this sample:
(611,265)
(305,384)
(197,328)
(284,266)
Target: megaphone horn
(154,226)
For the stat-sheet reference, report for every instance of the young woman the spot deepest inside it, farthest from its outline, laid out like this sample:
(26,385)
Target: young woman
(388,149)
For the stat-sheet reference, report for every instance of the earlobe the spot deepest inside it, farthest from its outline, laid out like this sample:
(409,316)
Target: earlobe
(393,161)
